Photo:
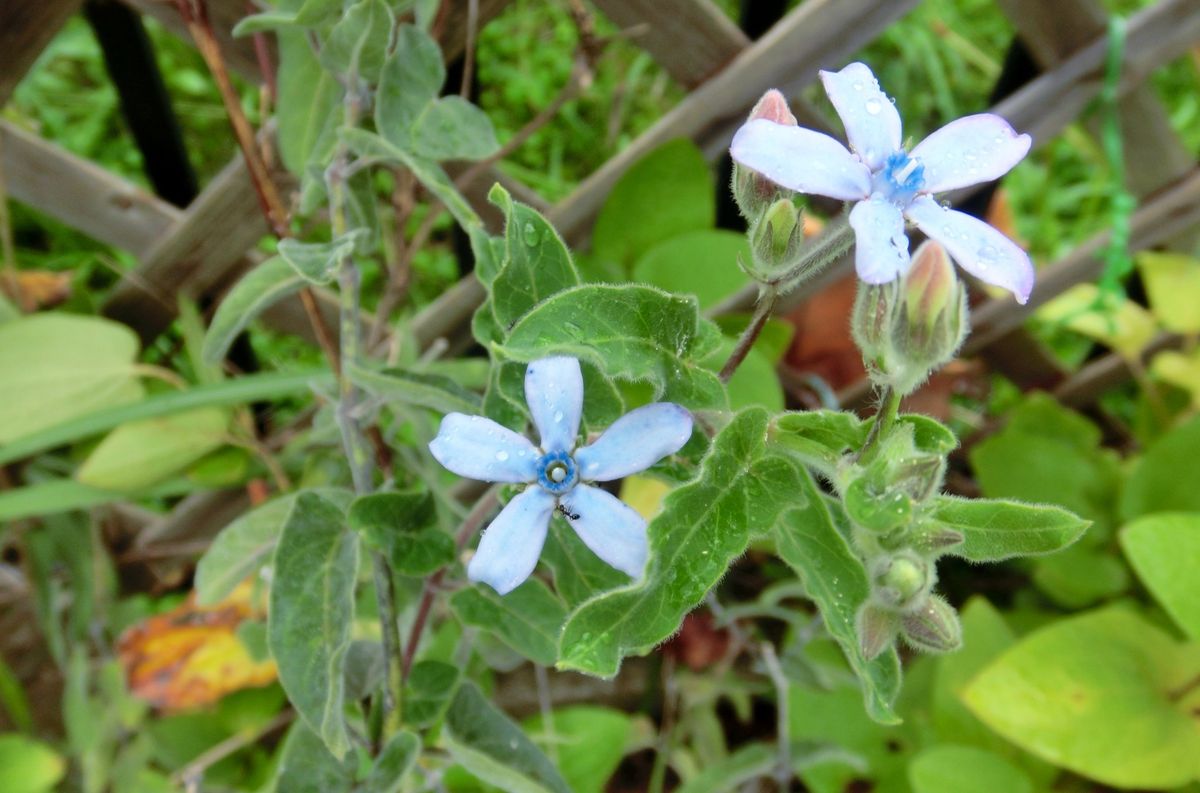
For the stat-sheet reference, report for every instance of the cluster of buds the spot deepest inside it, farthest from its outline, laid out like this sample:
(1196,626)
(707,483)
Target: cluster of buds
(910,326)
(886,501)
(776,225)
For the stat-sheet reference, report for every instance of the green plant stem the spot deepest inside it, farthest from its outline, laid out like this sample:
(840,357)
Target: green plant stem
(884,419)
(767,298)
(783,741)
(358,450)
(836,240)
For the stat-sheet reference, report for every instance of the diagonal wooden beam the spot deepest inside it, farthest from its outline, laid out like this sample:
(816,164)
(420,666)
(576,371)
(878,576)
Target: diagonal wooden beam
(26,27)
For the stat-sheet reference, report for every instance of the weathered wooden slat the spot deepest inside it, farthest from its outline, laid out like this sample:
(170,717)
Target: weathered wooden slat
(82,194)
(1087,385)
(691,39)
(201,254)
(26,27)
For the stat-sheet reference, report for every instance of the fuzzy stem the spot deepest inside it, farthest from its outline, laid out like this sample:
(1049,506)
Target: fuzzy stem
(885,417)
(767,298)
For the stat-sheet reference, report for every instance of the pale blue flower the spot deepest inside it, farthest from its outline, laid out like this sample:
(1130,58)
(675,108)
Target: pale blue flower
(479,448)
(890,184)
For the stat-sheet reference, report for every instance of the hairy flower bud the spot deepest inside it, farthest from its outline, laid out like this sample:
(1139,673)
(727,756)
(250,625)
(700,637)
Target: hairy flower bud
(934,539)
(777,240)
(934,627)
(902,581)
(908,327)
(876,628)
(753,192)
(876,507)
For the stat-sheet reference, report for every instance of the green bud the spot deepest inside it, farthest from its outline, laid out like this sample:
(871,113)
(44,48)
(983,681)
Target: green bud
(920,477)
(777,240)
(933,628)
(872,324)
(754,192)
(902,580)
(876,628)
(934,539)
(875,508)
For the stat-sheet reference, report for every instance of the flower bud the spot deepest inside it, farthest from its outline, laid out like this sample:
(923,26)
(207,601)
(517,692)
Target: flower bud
(902,580)
(754,192)
(934,315)
(872,324)
(777,239)
(876,628)
(919,476)
(933,539)
(934,627)
(875,507)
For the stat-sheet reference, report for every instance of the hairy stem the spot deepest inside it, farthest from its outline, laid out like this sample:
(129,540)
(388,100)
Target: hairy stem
(767,298)
(889,409)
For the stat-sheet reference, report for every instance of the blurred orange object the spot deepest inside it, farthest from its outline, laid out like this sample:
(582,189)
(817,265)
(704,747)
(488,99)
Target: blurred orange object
(191,656)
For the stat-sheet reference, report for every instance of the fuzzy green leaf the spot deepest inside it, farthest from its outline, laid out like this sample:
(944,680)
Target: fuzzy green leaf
(528,619)
(420,389)
(267,283)
(312,612)
(495,749)
(996,530)
(359,42)
(1164,549)
(306,766)
(410,81)
(430,686)
(452,128)
(309,100)
(704,525)
(317,262)
(631,332)
(813,543)
(403,525)
(396,759)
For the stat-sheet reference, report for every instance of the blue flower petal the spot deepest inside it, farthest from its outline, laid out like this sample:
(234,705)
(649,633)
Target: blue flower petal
(635,442)
(871,121)
(612,529)
(554,391)
(511,545)
(970,150)
(977,247)
(479,448)
(881,247)
(801,160)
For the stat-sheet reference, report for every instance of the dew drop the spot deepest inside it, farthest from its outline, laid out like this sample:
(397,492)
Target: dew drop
(858,86)
(558,417)
(571,326)
(501,456)
(873,107)
(531,235)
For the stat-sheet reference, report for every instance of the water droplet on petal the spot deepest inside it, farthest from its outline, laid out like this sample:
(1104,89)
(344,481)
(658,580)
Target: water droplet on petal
(558,417)
(858,86)
(501,456)
(873,107)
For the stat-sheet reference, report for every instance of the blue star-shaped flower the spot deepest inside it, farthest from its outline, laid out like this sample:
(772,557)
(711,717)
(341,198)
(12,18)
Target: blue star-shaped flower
(479,448)
(890,184)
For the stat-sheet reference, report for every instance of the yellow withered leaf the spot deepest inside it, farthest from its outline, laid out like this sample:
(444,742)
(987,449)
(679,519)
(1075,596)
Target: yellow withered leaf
(191,656)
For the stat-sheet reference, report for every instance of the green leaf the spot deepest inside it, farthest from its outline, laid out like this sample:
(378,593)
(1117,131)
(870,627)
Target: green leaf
(309,103)
(242,390)
(810,540)
(53,496)
(1164,550)
(452,128)
(929,435)
(666,193)
(318,262)
(246,544)
(430,685)
(306,766)
(311,613)
(370,146)
(996,530)
(396,759)
(703,526)
(588,741)
(724,775)
(403,525)
(1167,478)
(263,22)
(316,12)
(819,438)
(631,332)
(1173,285)
(143,453)
(495,749)
(965,769)
(536,262)
(359,42)
(266,284)
(528,619)
(1080,576)
(410,81)
(702,263)
(578,573)
(1093,694)
(28,766)
(57,367)
(420,389)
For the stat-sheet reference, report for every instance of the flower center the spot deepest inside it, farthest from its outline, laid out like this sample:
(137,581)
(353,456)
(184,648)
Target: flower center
(901,178)
(557,473)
